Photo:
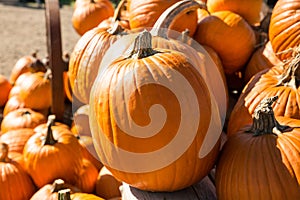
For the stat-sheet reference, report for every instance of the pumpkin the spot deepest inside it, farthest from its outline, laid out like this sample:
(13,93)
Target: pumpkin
(16,139)
(107,186)
(249,10)
(56,150)
(27,63)
(65,194)
(261,161)
(21,118)
(50,191)
(5,88)
(230,36)
(15,183)
(138,121)
(87,56)
(88,14)
(281,80)
(284,27)
(33,86)
(144,14)
(262,58)
(13,103)
(87,177)
(15,91)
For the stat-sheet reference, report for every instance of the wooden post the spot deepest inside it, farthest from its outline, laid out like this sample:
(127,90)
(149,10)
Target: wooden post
(56,63)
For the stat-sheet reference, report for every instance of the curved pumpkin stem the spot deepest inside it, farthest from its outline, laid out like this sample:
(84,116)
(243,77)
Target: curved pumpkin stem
(264,121)
(118,10)
(57,185)
(291,74)
(172,13)
(116,27)
(49,137)
(142,46)
(64,194)
(4,152)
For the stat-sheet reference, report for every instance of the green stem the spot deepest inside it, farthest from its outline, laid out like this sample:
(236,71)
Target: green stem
(64,194)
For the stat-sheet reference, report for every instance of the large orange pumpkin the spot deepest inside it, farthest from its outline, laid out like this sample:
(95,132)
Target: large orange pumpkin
(5,87)
(284,28)
(152,118)
(89,13)
(143,14)
(281,80)
(230,36)
(262,160)
(249,10)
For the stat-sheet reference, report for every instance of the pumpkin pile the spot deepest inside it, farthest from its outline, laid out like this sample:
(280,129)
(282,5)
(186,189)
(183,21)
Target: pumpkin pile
(163,93)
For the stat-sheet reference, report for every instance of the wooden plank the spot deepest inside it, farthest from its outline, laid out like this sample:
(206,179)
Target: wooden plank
(56,63)
(204,190)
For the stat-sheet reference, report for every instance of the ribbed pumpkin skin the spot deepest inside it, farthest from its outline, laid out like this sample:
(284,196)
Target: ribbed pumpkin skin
(263,85)
(186,169)
(249,10)
(85,60)
(230,36)
(89,13)
(261,167)
(263,58)
(143,14)
(284,29)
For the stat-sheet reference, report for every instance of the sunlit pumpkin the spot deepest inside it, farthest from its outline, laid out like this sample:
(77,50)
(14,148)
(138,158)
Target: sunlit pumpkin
(5,87)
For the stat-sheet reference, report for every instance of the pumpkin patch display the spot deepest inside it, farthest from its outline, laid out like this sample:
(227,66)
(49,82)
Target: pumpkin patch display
(261,160)
(160,123)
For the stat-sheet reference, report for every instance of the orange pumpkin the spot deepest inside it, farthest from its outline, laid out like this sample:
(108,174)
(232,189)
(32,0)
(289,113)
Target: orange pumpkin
(88,14)
(261,160)
(281,80)
(15,183)
(56,150)
(13,103)
(249,10)
(65,194)
(5,88)
(143,14)
(21,118)
(136,122)
(284,27)
(230,36)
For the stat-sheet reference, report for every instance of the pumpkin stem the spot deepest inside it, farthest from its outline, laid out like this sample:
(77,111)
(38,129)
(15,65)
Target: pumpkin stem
(142,46)
(115,29)
(117,12)
(172,13)
(48,74)
(49,137)
(64,194)
(264,121)
(26,112)
(4,152)
(291,75)
(57,185)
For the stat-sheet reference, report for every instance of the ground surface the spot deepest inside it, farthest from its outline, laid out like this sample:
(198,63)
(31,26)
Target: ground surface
(23,30)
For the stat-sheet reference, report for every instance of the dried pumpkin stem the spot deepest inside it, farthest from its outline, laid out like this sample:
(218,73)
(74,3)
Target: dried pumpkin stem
(57,185)
(117,12)
(64,194)
(4,152)
(142,46)
(172,13)
(264,121)
(49,136)
(291,75)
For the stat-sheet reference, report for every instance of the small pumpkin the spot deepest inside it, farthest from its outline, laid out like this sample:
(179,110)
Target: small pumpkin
(65,194)
(284,27)
(261,160)
(56,150)
(88,14)
(50,191)
(230,36)
(5,87)
(21,118)
(15,183)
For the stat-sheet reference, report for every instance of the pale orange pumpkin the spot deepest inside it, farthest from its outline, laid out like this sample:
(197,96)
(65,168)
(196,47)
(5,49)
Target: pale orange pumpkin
(13,103)
(5,87)
(162,91)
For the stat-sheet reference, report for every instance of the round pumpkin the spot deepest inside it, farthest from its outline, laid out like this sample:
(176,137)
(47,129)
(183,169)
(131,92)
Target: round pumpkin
(5,87)
(150,104)
(281,80)
(230,36)
(284,27)
(88,14)
(249,10)
(53,154)
(15,183)
(261,160)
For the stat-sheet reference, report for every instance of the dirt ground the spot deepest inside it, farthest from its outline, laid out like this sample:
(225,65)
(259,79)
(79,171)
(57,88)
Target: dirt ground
(23,30)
